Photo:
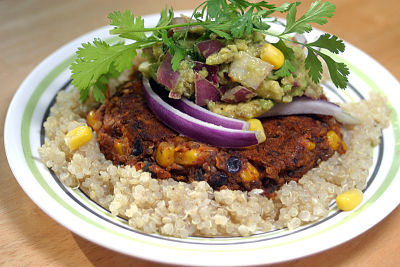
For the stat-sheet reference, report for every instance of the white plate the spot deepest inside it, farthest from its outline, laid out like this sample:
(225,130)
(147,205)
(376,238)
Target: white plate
(23,129)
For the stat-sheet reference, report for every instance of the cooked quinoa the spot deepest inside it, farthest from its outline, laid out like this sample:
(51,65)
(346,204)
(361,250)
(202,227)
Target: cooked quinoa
(180,209)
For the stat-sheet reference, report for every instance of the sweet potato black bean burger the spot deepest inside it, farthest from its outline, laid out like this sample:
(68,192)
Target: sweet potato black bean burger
(199,126)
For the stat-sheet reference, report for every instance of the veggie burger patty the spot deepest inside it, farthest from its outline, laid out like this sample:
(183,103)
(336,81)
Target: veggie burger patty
(129,133)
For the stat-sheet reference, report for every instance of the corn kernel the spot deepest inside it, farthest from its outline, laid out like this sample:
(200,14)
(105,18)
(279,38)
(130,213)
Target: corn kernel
(92,121)
(344,146)
(188,157)
(118,147)
(249,173)
(256,125)
(165,154)
(272,55)
(349,200)
(78,137)
(310,145)
(333,140)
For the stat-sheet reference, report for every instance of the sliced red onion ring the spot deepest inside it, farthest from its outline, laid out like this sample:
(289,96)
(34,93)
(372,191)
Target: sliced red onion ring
(305,105)
(191,109)
(196,129)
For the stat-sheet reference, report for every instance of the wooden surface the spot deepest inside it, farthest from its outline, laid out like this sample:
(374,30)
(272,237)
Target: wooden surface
(31,30)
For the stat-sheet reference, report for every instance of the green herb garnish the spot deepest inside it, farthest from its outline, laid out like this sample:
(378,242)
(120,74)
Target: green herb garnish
(228,19)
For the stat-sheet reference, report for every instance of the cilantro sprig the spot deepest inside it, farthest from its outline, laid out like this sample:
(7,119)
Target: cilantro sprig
(98,61)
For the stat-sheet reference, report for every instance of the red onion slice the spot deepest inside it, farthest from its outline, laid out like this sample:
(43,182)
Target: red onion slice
(305,105)
(191,109)
(196,129)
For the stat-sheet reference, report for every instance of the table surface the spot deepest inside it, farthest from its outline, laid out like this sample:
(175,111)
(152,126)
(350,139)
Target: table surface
(31,30)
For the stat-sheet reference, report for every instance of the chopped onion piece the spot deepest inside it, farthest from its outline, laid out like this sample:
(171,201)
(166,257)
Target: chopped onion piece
(205,91)
(211,69)
(166,75)
(305,105)
(300,38)
(237,94)
(209,47)
(181,20)
(196,129)
(248,70)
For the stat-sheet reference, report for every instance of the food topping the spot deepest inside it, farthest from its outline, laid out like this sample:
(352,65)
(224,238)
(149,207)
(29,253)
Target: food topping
(249,173)
(78,137)
(165,154)
(350,199)
(209,47)
(256,125)
(272,55)
(334,140)
(118,146)
(195,128)
(237,94)
(230,34)
(220,59)
(233,164)
(304,105)
(205,90)
(166,75)
(248,70)
(92,121)
(205,115)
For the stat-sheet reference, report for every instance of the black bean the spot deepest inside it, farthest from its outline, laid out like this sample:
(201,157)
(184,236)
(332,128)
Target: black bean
(146,167)
(137,148)
(136,125)
(269,185)
(233,164)
(198,174)
(218,179)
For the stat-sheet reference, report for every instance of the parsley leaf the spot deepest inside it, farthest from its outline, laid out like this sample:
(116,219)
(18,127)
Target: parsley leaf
(337,70)
(215,7)
(166,17)
(100,86)
(313,65)
(97,59)
(330,42)
(126,25)
(287,68)
(317,13)
(242,25)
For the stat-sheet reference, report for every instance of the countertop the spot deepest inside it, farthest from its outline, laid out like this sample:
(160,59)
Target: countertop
(31,30)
